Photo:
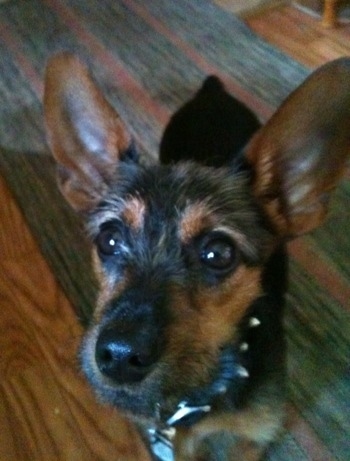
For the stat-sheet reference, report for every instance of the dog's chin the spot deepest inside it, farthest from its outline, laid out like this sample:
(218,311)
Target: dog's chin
(148,399)
(145,399)
(138,400)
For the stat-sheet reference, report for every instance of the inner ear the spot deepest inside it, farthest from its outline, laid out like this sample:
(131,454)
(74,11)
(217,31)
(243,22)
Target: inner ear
(85,134)
(300,154)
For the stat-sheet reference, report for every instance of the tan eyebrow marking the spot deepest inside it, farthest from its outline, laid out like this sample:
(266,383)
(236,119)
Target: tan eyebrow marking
(195,218)
(134,212)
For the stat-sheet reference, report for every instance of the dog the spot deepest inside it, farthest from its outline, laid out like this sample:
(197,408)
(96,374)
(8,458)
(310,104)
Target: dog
(190,252)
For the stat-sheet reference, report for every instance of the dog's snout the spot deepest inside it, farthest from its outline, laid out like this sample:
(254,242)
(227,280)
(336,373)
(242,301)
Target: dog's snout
(126,357)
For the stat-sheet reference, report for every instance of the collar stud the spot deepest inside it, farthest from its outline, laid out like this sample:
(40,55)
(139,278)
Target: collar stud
(242,372)
(253,322)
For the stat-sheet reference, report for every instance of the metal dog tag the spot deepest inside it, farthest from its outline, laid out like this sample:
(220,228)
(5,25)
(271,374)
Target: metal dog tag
(161,439)
(161,444)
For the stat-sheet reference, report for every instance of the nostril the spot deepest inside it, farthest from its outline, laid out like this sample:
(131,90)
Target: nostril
(104,356)
(135,361)
(141,360)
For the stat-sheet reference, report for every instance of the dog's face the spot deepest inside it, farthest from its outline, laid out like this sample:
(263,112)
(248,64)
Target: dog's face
(179,249)
(176,277)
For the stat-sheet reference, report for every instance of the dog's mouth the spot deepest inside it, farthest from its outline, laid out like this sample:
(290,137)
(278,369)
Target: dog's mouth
(159,396)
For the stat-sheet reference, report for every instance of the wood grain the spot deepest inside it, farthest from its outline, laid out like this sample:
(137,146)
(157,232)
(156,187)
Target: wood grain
(301,36)
(47,412)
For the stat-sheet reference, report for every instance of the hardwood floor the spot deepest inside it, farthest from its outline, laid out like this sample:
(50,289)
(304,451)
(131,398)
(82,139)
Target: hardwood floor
(47,412)
(301,36)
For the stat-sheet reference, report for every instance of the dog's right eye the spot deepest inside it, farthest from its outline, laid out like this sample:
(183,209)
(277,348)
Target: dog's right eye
(218,255)
(108,242)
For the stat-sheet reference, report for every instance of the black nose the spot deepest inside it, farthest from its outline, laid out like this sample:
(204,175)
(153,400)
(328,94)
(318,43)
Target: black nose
(126,356)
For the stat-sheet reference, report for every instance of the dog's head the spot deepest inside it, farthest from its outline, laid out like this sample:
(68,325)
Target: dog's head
(179,249)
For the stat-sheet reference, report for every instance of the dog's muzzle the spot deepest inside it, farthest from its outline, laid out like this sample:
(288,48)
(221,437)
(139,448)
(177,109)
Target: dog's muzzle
(129,343)
(125,353)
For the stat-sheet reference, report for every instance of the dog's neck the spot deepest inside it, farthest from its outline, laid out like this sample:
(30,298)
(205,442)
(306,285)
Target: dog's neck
(231,378)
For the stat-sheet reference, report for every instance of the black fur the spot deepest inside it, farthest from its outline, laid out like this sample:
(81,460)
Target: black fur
(210,129)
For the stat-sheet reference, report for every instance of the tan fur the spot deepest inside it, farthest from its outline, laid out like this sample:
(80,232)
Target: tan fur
(195,219)
(134,212)
(219,311)
(205,320)
(109,288)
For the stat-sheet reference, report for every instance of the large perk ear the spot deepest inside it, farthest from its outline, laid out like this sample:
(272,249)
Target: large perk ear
(85,134)
(300,154)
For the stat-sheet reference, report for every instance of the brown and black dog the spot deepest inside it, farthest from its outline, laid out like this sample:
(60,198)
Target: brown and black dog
(187,335)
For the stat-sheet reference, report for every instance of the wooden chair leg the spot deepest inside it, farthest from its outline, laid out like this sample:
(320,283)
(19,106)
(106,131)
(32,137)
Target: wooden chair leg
(329,18)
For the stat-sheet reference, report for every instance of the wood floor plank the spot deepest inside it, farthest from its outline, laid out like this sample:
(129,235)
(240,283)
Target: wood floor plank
(14,236)
(56,418)
(301,35)
(47,411)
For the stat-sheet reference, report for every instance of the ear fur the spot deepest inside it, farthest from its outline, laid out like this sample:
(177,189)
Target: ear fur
(300,154)
(85,134)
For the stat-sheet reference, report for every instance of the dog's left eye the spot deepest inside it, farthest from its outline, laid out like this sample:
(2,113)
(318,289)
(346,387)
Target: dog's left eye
(107,242)
(219,254)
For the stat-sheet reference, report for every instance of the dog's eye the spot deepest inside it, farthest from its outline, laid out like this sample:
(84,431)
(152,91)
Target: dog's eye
(219,254)
(107,242)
